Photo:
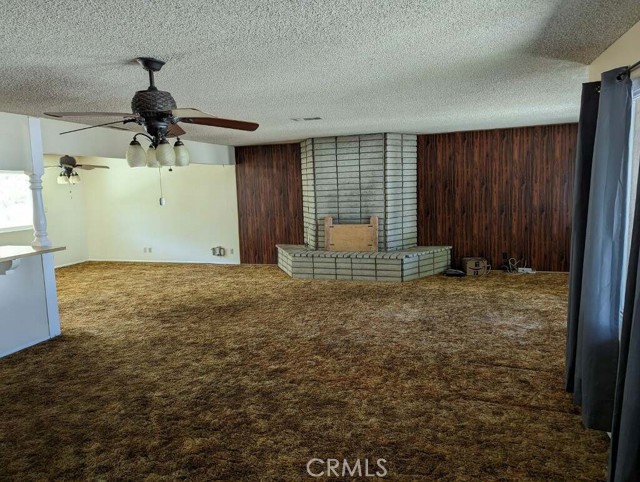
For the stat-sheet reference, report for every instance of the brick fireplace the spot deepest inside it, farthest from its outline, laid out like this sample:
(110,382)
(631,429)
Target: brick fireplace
(353,178)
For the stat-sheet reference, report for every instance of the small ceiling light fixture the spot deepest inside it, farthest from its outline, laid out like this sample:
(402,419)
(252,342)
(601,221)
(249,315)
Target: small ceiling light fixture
(165,154)
(159,154)
(152,160)
(74,178)
(182,154)
(136,156)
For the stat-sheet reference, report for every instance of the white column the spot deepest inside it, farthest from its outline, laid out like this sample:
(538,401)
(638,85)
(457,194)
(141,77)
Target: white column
(40,225)
(35,179)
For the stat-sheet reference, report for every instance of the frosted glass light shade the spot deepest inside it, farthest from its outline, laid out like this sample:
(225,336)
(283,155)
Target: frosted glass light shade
(151,157)
(136,157)
(74,178)
(164,154)
(62,179)
(181,153)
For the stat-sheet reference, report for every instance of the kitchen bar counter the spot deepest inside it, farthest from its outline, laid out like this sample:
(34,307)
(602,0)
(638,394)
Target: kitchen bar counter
(10,253)
(28,298)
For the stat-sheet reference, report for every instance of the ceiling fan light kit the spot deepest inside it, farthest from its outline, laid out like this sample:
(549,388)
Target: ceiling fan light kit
(136,155)
(73,178)
(157,112)
(162,155)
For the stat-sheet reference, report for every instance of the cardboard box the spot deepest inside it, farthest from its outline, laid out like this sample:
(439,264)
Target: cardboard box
(474,263)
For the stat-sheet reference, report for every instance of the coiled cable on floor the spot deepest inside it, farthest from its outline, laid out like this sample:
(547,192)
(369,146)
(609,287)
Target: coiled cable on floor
(514,264)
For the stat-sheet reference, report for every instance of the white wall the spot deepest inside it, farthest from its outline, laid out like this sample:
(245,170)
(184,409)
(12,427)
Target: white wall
(123,214)
(15,149)
(17,238)
(624,51)
(112,215)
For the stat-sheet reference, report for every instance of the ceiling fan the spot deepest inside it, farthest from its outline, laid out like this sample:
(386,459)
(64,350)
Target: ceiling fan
(68,174)
(157,112)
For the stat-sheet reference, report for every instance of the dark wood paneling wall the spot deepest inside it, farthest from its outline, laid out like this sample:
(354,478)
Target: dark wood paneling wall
(482,192)
(505,190)
(269,183)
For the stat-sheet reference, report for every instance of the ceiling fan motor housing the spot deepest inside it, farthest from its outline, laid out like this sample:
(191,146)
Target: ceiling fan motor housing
(68,161)
(151,102)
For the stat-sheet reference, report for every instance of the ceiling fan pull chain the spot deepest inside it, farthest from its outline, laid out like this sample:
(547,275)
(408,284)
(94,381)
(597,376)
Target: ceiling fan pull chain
(162,200)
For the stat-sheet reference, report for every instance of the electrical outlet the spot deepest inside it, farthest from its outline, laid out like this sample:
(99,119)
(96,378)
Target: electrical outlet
(144,250)
(150,250)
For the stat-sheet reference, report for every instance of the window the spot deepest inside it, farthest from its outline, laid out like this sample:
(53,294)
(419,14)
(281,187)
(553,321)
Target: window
(16,212)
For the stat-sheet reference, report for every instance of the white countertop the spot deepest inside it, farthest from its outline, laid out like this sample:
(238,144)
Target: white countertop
(9,253)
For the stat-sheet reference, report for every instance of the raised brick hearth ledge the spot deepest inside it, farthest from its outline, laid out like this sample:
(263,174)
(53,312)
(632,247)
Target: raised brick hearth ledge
(408,264)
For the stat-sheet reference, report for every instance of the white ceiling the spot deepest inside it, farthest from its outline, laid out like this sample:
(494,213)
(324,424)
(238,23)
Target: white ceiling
(410,66)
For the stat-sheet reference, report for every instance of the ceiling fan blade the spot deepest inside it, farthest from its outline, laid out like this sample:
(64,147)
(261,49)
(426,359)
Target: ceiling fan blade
(99,125)
(89,167)
(88,114)
(195,116)
(219,122)
(175,130)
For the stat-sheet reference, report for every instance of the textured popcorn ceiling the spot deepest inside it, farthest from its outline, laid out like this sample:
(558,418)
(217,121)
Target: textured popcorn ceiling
(408,66)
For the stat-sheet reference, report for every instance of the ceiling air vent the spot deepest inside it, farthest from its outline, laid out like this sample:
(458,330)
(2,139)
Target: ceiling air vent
(303,119)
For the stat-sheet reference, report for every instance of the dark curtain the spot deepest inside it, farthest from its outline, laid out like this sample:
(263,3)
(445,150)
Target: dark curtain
(624,458)
(581,188)
(595,339)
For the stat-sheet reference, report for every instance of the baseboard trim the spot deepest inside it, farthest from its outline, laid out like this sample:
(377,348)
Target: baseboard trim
(156,261)
(71,264)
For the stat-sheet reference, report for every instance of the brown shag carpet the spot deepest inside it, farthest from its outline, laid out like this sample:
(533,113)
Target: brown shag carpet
(195,372)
